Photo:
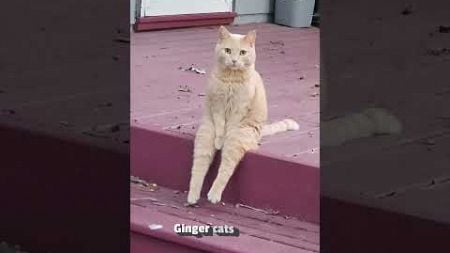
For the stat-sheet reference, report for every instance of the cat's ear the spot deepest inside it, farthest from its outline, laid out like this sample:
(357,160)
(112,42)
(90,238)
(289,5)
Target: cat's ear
(223,33)
(250,37)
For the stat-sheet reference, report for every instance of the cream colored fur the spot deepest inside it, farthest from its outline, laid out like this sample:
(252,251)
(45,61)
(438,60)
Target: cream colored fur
(280,126)
(371,121)
(234,116)
(356,125)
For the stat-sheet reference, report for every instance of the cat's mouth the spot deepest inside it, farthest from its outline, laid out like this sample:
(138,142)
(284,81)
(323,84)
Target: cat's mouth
(234,66)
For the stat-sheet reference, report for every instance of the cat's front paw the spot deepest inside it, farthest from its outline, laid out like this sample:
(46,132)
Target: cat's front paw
(214,196)
(218,143)
(193,197)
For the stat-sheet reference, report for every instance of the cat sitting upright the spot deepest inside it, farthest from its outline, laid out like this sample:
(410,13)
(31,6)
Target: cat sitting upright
(234,115)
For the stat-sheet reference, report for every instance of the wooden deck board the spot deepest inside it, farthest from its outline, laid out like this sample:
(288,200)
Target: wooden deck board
(272,232)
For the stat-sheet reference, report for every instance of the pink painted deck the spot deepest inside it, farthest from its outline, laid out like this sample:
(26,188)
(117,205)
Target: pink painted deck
(287,58)
(259,231)
(284,173)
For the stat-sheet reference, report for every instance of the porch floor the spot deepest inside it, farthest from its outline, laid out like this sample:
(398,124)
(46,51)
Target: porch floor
(165,98)
(259,230)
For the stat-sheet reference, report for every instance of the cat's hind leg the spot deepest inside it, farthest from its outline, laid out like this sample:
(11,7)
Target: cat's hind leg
(203,155)
(236,143)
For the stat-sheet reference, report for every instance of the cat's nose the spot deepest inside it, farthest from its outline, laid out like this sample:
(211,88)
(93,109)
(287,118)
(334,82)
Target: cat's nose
(234,61)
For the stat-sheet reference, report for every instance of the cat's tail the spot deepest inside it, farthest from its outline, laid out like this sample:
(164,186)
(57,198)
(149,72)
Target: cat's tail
(279,126)
(384,121)
(370,122)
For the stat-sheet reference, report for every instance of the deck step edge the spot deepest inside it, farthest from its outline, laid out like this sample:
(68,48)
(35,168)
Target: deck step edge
(142,217)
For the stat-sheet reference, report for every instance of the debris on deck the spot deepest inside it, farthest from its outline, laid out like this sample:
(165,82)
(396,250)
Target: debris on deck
(93,134)
(122,40)
(8,111)
(107,128)
(444,29)
(408,9)
(64,123)
(194,69)
(155,226)
(106,104)
(185,88)
(269,212)
(191,205)
(438,51)
(136,180)
(278,43)
(144,185)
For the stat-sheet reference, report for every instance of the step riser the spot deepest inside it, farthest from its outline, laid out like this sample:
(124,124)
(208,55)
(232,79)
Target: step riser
(55,196)
(144,244)
(260,181)
(358,226)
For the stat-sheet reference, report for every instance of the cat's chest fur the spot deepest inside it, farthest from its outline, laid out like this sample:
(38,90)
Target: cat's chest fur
(231,98)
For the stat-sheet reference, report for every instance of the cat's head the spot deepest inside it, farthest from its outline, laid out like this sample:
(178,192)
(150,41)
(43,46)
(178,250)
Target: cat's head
(235,51)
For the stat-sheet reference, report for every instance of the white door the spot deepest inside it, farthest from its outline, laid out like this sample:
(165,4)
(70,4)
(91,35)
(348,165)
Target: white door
(177,7)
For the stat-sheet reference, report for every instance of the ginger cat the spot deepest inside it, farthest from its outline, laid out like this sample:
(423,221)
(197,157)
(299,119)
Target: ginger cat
(235,113)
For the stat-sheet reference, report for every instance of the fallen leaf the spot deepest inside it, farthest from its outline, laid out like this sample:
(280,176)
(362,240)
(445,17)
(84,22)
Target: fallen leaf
(195,69)
(277,42)
(184,88)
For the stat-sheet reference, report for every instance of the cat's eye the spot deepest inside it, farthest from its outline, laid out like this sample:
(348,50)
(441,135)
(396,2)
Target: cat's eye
(227,50)
(243,52)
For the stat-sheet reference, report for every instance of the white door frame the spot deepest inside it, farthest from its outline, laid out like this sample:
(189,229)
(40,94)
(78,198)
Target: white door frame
(177,7)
